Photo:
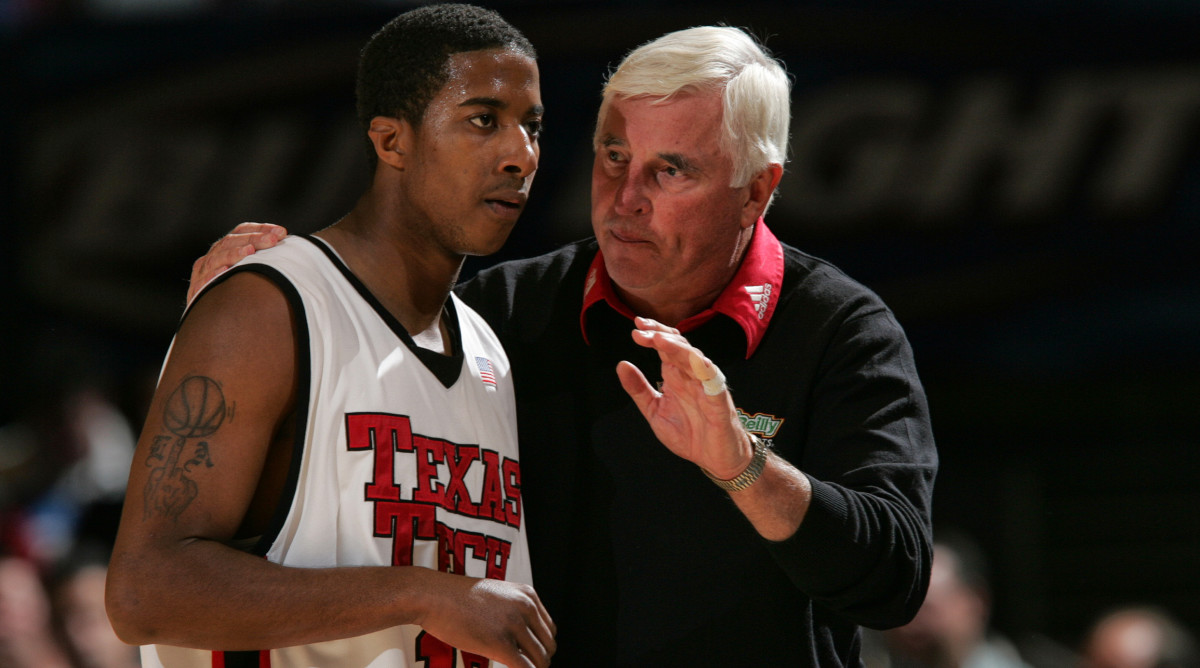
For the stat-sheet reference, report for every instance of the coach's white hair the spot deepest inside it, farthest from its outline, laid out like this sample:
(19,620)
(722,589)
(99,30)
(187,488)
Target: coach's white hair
(756,91)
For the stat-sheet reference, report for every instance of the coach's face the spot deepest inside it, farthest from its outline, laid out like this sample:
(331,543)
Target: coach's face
(473,157)
(671,228)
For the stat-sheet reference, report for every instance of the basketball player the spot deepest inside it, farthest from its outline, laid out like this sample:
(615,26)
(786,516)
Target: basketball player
(778,519)
(329,473)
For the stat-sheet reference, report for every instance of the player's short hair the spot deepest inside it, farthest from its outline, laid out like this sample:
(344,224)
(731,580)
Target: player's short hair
(756,90)
(404,64)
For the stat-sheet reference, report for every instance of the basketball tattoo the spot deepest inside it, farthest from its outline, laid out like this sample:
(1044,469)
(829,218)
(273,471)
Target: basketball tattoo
(195,410)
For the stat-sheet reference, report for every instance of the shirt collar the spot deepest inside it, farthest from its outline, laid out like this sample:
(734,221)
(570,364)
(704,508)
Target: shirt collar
(749,299)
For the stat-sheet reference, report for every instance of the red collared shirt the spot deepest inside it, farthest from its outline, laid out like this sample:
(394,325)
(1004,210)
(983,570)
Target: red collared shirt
(749,298)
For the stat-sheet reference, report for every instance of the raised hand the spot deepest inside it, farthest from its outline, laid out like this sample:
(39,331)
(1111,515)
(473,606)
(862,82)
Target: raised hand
(702,427)
(243,240)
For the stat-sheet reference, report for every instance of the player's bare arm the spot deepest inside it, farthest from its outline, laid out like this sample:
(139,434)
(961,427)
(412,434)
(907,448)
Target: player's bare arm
(206,471)
(694,416)
(194,412)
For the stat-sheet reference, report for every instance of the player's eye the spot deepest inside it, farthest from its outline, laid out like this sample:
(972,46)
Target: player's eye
(484,121)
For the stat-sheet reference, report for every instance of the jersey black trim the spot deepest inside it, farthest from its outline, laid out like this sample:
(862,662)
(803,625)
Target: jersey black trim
(446,368)
(245,659)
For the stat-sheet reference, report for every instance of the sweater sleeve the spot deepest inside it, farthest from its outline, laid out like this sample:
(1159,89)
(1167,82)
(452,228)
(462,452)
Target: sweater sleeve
(864,546)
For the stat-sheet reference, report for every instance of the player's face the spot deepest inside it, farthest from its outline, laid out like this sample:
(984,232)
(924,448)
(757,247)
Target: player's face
(476,150)
(662,209)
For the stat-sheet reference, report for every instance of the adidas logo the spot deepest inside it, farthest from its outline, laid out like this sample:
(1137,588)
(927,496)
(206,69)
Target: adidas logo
(761,296)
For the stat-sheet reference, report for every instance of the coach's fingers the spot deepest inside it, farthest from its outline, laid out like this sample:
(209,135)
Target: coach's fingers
(251,227)
(245,239)
(702,367)
(259,235)
(672,347)
(221,256)
(707,373)
(636,386)
(225,253)
(676,352)
(652,325)
(241,241)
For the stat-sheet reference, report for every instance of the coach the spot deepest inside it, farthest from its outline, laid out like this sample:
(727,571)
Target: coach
(784,513)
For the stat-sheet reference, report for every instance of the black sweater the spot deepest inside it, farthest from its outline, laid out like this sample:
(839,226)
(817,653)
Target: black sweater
(639,558)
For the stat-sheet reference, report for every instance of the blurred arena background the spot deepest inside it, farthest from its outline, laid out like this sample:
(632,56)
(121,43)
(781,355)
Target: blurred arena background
(1020,181)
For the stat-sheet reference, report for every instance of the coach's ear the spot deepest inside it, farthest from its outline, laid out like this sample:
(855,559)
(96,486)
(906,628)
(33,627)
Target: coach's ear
(392,138)
(758,193)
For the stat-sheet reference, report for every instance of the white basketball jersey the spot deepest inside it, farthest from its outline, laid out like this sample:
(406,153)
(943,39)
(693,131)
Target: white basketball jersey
(406,457)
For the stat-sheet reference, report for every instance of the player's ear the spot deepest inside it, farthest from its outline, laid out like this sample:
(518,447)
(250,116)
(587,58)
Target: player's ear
(392,139)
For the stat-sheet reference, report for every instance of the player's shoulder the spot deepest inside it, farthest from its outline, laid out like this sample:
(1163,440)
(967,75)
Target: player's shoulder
(248,304)
(266,276)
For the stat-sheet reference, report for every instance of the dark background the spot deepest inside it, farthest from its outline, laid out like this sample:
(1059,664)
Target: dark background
(1019,180)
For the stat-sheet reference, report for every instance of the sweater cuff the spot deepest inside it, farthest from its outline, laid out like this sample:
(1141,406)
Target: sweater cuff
(820,558)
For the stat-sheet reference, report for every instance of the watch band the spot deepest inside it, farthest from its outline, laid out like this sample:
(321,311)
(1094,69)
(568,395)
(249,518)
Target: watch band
(753,470)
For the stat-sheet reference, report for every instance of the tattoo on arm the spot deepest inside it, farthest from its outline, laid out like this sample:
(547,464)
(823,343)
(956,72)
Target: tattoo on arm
(195,410)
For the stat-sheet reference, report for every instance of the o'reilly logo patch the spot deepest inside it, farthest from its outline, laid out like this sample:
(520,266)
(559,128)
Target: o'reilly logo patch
(763,424)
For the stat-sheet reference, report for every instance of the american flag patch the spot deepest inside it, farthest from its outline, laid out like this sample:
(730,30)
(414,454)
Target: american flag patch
(486,373)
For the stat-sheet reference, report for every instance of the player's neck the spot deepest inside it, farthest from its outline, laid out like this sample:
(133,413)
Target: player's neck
(410,283)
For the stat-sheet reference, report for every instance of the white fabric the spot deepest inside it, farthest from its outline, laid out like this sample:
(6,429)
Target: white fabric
(365,382)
